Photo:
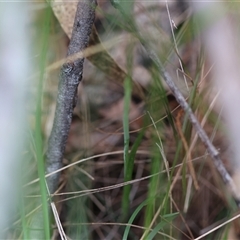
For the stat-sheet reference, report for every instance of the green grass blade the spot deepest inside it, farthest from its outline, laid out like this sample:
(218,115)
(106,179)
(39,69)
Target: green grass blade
(135,213)
(127,101)
(129,171)
(155,230)
(25,230)
(165,220)
(153,189)
(38,131)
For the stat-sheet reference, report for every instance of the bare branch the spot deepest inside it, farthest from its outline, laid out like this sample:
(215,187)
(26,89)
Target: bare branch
(70,76)
(183,103)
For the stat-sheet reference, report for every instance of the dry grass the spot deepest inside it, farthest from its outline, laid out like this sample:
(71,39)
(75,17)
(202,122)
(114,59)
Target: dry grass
(172,172)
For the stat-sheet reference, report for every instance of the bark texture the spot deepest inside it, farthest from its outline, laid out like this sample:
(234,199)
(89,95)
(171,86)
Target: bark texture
(70,77)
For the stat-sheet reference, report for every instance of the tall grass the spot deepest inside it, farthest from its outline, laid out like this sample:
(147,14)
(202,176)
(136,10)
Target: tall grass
(38,130)
(136,184)
(35,214)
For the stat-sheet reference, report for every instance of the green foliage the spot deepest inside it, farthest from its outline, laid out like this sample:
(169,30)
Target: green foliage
(38,132)
(166,219)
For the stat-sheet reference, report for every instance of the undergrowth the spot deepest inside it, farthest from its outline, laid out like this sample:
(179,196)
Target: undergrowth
(133,169)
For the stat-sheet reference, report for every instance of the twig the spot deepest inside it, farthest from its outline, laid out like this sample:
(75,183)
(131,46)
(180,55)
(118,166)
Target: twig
(227,179)
(70,76)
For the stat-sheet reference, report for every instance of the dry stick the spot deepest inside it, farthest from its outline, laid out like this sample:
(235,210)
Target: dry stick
(70,77)
(201,133)
(227,179)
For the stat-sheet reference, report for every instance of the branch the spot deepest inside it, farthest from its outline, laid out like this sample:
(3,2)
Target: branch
(227,179)
(70,77)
